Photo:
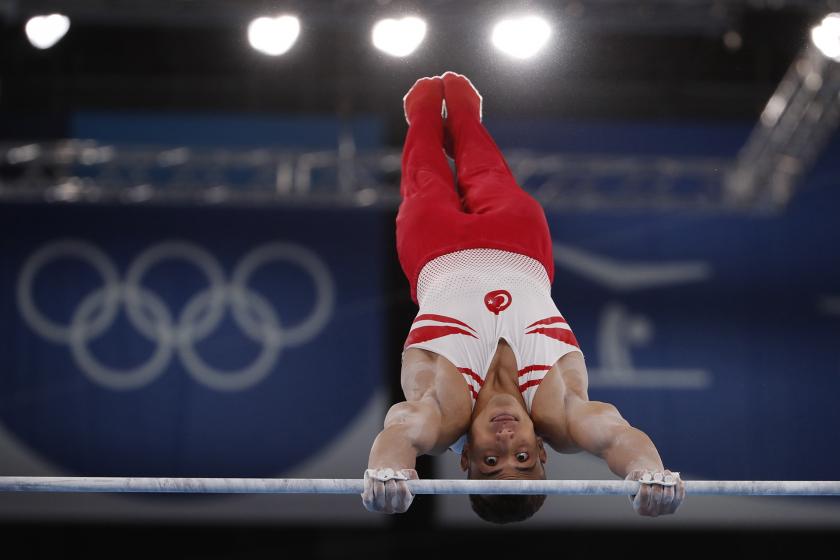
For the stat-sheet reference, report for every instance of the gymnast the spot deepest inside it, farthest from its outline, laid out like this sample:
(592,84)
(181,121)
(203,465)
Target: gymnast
(490,368)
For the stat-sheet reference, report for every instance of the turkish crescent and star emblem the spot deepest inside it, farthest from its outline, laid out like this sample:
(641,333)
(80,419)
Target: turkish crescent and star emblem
(497,301)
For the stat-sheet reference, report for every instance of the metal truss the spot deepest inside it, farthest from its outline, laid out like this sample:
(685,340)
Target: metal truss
(793,130)
(84,171)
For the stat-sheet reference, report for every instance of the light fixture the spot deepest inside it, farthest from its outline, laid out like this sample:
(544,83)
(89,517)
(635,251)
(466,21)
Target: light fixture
(45,31)
(274,35)
(521,37)
(826,36)
(399,37)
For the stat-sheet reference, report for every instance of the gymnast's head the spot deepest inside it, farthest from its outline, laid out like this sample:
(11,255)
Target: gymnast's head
(501,444)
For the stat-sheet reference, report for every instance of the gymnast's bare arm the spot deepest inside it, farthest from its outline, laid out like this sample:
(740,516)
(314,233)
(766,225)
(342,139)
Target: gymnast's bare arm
(566,418)
(434,415)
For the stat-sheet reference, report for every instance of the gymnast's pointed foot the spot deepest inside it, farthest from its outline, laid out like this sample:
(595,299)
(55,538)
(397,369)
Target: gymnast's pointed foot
(462,98)
(424,97)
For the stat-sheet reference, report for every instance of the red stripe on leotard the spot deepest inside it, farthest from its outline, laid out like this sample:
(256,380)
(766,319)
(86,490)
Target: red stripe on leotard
(548,321)
(424,334)
(535,367)
(529,384)
(472,374)
(563,335)
(441,318)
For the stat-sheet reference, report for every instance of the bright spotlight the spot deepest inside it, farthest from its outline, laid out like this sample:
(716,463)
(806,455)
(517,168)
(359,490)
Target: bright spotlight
(274,36)
(45,31)
(399,37)
(521,37)
(826,36)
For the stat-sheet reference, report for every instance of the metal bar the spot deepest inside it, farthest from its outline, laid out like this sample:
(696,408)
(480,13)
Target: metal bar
(355,486)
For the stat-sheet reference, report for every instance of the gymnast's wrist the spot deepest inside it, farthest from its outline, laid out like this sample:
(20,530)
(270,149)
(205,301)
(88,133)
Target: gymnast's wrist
(635,470)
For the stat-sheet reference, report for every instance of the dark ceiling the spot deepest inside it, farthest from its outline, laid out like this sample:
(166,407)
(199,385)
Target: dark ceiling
(660,60)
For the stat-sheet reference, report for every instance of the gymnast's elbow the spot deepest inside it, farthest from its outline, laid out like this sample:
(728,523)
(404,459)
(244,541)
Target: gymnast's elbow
(417,421)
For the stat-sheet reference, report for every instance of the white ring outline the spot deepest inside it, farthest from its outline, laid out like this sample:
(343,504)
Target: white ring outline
(248,376)
(170,250)
(54,251)
(183,335)
(132,378)
(325,291)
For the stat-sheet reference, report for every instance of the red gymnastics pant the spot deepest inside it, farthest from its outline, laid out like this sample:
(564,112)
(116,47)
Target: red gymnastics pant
(492,211)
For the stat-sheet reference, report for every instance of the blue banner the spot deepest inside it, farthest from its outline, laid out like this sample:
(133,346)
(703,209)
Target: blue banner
(715,334)
(187,342)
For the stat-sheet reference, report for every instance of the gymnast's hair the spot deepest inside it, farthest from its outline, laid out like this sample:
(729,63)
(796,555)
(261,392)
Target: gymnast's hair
(504,508)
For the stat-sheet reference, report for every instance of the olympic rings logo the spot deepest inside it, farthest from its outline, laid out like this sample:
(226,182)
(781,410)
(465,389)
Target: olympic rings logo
(200,316)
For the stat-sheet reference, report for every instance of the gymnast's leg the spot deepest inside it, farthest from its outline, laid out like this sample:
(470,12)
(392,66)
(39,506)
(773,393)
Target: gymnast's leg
(484,177)
(508,214)
(430,210)
(425,170)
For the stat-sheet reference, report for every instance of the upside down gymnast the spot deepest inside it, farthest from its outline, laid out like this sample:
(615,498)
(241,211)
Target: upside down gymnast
(490,368)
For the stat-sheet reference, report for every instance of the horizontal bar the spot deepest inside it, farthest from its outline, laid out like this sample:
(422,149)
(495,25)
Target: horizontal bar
(429,486)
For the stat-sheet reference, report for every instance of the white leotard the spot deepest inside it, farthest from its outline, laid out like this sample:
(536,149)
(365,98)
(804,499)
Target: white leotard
(471,299)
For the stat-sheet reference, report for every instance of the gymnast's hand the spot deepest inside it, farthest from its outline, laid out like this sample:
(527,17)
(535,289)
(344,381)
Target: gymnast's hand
(386,490)
(660,493)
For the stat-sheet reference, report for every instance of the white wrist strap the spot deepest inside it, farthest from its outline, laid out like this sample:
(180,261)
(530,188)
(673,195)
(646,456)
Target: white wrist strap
(660,479)
(384,475)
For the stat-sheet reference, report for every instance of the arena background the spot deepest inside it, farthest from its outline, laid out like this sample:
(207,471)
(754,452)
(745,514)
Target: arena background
(687,157)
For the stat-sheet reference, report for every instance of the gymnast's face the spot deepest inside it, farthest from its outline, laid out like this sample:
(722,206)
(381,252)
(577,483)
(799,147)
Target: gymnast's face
(502,443)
